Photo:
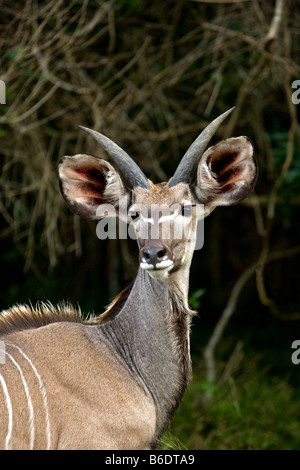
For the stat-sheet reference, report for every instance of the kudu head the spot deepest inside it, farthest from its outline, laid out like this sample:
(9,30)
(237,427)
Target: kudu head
(221,175)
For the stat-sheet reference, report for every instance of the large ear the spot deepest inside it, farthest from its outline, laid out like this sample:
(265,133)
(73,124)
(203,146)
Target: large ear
(226,173)
(86,182)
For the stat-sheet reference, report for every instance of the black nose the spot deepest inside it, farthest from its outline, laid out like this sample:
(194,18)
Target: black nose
(154,255)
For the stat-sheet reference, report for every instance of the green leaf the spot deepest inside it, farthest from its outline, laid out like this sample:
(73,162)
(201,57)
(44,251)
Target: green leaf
(195,298)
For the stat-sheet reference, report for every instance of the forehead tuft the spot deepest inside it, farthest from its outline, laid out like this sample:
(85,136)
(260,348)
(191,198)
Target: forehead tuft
(161,194)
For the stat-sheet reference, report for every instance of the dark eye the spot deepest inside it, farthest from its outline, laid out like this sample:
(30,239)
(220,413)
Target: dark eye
(186,211)
(134,215)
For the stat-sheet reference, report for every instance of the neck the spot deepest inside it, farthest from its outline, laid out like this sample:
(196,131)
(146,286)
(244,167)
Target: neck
(151,334)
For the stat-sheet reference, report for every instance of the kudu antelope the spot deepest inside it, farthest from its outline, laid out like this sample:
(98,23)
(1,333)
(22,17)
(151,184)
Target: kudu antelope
(114,381)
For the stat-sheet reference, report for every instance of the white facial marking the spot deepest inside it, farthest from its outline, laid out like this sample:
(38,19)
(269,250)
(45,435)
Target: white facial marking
(165,218)
(148,220)
(146,266)
(183,258)
(176,208)
(162,273)
(164,264)
(161,270)
(167,263)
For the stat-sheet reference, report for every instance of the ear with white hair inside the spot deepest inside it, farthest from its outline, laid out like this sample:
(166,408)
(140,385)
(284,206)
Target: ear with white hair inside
(87,182)
(226,173)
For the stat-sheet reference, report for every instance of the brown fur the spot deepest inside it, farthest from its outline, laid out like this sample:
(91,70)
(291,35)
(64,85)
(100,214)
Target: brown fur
(161,193)
(78,376)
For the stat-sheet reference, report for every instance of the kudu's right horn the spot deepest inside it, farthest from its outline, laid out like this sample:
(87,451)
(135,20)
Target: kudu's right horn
(187,166)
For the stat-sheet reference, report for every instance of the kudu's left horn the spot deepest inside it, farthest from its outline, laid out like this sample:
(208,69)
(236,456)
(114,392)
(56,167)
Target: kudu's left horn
(131,173)
(186,167)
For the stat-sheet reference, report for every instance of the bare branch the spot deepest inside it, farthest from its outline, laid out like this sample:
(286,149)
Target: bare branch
(209,352)
(210,349)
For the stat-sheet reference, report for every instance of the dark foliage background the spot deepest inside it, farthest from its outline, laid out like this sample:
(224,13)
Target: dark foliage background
(151,75)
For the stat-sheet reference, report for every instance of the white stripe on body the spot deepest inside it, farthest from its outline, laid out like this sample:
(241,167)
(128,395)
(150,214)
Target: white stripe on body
(10,414)
(29,401)
(43,392)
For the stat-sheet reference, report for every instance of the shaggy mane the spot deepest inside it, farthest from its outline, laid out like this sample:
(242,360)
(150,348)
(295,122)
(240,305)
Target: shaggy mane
(25,317)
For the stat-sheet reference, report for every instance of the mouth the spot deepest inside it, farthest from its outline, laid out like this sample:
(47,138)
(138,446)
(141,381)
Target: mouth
(159,270)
